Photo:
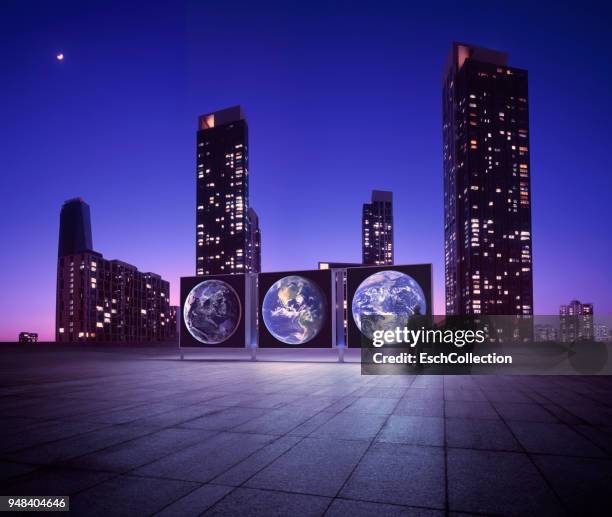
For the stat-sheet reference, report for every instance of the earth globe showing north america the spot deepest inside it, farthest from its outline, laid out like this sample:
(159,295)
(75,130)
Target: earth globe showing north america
(387,300)
(212,312)
(294,310)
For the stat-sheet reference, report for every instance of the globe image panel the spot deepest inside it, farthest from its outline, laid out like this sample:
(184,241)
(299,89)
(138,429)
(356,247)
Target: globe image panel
(386,300)
(212,312)
(294,310)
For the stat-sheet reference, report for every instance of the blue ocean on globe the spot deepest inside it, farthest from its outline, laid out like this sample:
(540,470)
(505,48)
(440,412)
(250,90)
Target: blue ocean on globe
(294,310)
(212,311)
(386,300)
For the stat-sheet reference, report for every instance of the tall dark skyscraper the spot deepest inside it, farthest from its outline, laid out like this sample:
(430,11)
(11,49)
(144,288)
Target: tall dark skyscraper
(254,242)
(487,193)
(75,227)
(377,229)
(223,234)
(105,300)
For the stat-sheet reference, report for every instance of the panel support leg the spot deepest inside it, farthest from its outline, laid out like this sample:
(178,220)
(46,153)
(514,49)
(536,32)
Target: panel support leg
(340,354)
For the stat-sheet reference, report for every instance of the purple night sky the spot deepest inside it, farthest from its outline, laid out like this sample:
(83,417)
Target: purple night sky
(340,99)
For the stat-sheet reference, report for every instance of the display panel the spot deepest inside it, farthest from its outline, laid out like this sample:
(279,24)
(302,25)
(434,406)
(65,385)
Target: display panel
(295,309)
(384,298)
(213,311)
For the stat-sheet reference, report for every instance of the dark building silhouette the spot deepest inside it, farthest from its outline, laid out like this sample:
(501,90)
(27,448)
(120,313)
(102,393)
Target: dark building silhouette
(377,229)
(487,194)
(576,322)
(254,242)
(223,235)
(28,337)
(75,228)
(105,300)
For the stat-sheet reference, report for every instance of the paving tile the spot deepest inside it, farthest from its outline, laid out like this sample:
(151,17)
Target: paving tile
(44,432)
(473,395)
(208,459)
(129,496)
(479,434)
(175,417)
(470,409)
(504,483)
(343,507)
(313,466)
(54,481)
(247,468)
(419,407)
(399,474)
(506,395)
(277,421)
(263,503)
(414,393)
(134,453)
(524,412)
(347,426)
(372,406)
(553,439)
(413,430)
(11,470)
(589,413)
(384,393)
(196,502)
(312,424)
(601,436)
(583,484)
(54,452)
(224,419)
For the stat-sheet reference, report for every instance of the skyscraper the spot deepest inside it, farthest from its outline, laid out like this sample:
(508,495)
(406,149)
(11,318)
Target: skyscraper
(254,242)
(576,322)
(487,194)
(222,201)
(104,300)
(75,228)
(377,229)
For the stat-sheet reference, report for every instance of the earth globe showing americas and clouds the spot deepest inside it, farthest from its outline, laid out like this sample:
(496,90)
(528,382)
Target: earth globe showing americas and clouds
(386,300)
(294,310)
(212,312)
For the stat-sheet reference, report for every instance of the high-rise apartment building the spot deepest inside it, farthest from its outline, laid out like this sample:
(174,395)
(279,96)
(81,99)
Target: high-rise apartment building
(377,229)
(487,176)
(602,333)
(223,231)
(576,322)
(105,300)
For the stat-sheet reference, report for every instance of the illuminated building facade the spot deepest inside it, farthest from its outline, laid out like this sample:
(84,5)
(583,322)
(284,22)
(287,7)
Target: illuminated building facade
(487,193)
(253,242)
(602,333)
(105,300)
(377,230)
(544,332)
(576,321)
(223,231)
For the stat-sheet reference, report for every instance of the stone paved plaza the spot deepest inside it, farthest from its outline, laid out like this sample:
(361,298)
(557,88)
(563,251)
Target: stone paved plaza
(138,432)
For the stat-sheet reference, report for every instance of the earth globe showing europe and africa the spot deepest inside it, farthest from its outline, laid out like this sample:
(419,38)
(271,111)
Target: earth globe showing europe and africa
(386,300)
(212,312)
(294,309)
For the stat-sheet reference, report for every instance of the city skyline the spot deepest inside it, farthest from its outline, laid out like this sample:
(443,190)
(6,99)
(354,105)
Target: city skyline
(147,174)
